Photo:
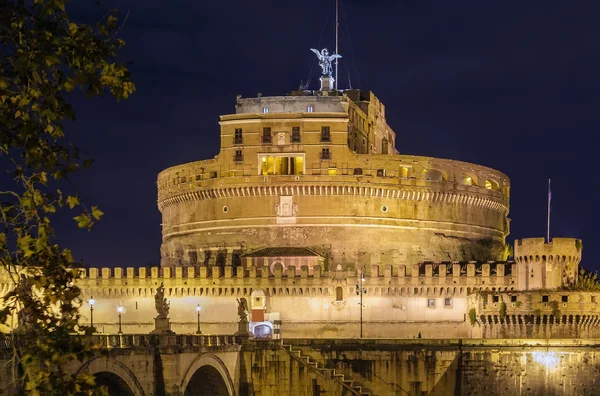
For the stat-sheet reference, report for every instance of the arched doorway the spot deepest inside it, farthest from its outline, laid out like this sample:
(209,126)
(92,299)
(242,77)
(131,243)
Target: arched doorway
(206,381)
(115,384)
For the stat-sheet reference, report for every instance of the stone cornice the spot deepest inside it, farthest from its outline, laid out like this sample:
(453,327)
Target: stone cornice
(410,193)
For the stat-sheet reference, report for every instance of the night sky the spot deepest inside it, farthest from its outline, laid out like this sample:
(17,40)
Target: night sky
(512,85)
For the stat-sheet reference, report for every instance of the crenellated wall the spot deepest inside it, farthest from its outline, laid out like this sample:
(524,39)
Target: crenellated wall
(324,302)
(547,265)
(536,314)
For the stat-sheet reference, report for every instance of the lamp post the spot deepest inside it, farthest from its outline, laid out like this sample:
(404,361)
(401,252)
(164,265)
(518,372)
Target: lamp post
(198,309)
(120,310)
(91,301)
(360,290)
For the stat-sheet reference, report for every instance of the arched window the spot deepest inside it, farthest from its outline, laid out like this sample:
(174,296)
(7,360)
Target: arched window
(339,294)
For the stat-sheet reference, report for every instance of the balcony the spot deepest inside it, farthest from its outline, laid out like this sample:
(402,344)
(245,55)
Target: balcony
(267,139)
(238,158)
(326,138)
(238,140)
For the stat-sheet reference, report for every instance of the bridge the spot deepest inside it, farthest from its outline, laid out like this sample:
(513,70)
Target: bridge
(226,365)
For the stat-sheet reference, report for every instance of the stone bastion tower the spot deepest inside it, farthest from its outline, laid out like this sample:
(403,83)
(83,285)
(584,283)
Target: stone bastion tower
(314,177)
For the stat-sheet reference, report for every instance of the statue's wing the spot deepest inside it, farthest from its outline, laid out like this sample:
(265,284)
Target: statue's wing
(316,52)
(334,56)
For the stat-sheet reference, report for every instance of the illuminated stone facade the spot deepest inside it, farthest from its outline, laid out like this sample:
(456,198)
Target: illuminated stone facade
(321,172)
(309,202)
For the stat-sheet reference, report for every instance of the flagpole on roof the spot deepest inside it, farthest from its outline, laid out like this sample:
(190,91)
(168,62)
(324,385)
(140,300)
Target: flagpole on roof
(549,199)
(337,23)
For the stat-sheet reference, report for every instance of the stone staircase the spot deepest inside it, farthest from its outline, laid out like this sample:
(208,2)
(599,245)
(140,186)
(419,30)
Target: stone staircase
(349,385)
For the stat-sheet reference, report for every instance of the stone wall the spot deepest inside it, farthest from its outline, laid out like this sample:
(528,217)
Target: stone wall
(535,314)
(433,301)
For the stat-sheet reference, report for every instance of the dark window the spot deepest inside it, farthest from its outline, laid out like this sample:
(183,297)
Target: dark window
(593,299)
(513,298)
(358,171)
(238,138)
(325,134)
(183,179)
(447,302)
(266,136)
(495,298)
(544,298)
(431,303)
(380,172)
(325,154)
(198,177)
(295,134)
(238,156)
(213,175)
(565,298)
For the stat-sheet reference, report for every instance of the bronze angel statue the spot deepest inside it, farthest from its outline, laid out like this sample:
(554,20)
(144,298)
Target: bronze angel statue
(325,60)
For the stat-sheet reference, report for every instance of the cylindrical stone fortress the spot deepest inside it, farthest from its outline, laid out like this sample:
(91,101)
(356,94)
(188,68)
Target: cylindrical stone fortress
(321,172)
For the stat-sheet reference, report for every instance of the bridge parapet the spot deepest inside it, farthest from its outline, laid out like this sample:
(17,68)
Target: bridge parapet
(112,341)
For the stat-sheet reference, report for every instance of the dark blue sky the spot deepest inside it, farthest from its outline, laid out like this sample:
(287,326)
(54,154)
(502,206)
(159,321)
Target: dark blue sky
(511,85)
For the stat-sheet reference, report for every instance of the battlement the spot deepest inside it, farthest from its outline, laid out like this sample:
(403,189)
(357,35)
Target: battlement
(544,265)
(565,249)
(432,279)
(541,313)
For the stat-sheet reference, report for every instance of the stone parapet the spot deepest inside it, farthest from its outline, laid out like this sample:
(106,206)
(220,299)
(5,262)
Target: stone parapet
(531,314)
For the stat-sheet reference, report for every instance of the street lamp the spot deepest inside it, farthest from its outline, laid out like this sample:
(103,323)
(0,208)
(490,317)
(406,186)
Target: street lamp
(91,301)
(360,290)
(198,309)
(120,309)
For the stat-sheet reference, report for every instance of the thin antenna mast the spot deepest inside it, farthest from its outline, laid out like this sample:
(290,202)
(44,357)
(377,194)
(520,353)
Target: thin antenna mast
(337,23)
(549,199)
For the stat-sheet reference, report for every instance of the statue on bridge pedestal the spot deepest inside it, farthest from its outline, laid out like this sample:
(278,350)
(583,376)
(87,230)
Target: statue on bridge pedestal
(161,303)
(243,314)
(161,322)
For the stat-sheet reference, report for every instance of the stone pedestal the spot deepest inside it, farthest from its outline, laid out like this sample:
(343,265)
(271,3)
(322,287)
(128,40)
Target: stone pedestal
(327,83)
(243,329)
(162,326)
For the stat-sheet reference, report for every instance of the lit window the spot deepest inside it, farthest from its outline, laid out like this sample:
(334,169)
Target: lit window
(310,109)
(265,110)
(431,303)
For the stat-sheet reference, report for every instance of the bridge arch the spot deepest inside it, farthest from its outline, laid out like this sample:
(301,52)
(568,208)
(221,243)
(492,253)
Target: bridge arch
(209,365)
(113,370)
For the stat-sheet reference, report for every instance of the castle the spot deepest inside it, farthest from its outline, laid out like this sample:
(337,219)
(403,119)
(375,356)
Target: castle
(310,213)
